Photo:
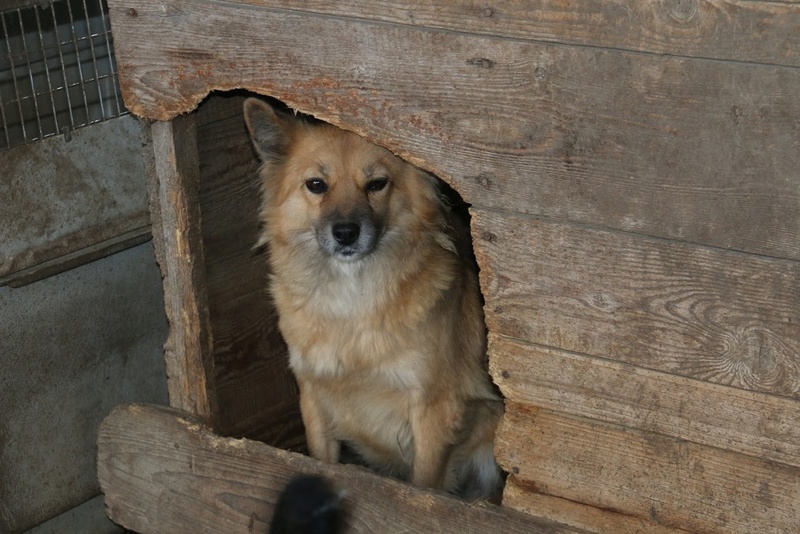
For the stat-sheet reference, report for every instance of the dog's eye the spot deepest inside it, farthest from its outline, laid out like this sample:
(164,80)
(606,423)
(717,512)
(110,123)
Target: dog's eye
(316,186)
(377,184)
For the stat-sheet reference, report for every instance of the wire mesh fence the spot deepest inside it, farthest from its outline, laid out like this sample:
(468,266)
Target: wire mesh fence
(57,70)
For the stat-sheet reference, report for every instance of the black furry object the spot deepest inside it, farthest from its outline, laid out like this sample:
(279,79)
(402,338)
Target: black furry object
(308,505)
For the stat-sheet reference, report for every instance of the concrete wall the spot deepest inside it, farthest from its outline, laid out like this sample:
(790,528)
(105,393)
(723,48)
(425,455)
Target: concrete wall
(71,347)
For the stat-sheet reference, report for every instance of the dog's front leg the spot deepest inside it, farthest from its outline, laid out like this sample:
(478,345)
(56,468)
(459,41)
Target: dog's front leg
(320,445)
(434,425)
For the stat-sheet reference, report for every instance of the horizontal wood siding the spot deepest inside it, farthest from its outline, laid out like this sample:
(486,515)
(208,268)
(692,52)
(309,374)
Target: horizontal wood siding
(702,313)
(735,30)
(764,426)
(575,514)
(670,481)
(625,140)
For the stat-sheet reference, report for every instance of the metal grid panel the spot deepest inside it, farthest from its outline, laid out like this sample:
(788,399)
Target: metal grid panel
(57,70)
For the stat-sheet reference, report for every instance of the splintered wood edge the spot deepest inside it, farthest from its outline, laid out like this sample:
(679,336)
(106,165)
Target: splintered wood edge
(163,470)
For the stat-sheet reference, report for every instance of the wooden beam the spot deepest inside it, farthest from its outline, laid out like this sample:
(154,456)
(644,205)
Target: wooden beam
(173,183)
(163,471)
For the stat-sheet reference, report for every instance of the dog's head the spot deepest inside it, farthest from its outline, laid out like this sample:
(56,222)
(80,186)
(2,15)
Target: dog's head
(331,189)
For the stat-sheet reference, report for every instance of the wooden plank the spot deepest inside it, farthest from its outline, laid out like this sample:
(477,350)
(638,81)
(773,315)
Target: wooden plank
(761,425)
(160,471)
(618,139)
(252,378)
(173,187)
(713,315)
(63,205)
(577,515)
(764,32)
(666,480)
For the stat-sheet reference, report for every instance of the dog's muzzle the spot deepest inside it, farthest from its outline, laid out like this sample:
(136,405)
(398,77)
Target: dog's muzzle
(349,239)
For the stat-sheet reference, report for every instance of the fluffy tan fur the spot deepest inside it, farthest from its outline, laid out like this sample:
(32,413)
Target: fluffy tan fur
(386,334)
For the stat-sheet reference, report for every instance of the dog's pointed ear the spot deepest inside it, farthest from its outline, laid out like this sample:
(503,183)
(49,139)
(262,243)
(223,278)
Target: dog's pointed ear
(269,130)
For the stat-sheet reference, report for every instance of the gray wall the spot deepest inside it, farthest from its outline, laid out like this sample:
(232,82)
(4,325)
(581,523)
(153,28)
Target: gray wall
(71,347)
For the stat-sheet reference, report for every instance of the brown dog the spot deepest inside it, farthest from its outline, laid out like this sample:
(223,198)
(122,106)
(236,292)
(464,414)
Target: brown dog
(380,309)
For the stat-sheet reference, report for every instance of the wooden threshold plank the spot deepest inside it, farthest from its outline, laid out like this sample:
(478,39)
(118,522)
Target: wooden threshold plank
(163,471)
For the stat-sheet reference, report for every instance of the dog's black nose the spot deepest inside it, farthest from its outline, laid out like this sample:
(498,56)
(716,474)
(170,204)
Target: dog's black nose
(345,233)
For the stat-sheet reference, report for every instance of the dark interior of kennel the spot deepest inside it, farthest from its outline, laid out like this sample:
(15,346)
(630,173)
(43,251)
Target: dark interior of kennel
(248,352)
(635,216)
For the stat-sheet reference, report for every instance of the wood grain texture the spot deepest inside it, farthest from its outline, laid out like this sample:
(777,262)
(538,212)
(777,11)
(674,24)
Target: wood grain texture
(173,186)
(618,139)
(577,515)
(161,471)
(764,32)
(764,426)
(251,375)
(669,481)
(713,315)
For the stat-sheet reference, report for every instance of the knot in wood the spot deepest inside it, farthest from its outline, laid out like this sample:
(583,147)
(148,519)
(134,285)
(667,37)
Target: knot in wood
(680,10)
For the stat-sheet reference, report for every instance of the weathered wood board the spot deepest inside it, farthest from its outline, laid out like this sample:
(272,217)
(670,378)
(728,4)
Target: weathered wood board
(670,481)
(578,515)
(713,315)
(737,30)
(624,140)
(173,182)
(764,426)
(162,471)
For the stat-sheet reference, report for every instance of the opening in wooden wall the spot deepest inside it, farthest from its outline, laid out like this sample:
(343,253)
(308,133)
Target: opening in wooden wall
(370,262)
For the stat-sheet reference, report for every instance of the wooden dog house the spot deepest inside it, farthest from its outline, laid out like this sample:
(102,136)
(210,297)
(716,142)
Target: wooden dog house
(634,174)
